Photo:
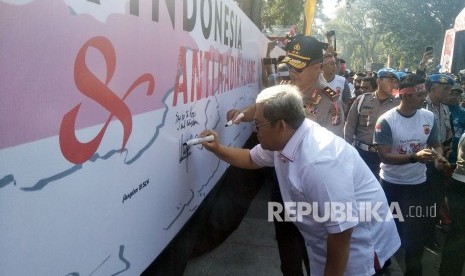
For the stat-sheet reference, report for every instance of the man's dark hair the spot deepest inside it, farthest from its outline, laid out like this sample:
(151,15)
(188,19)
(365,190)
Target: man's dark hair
(361,74)
(371,80)
(410,81)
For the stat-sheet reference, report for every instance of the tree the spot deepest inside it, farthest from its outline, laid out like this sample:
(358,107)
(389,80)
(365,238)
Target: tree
(253,9)
(399,29)
(356,34)
(278,12)
(408,26)
(369,30)
(283,13)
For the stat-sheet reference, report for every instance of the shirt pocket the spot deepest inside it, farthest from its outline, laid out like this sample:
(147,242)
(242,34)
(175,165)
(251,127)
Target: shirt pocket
(366,118)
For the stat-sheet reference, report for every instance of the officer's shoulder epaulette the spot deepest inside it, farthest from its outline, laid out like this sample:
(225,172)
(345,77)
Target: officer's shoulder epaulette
(330,93)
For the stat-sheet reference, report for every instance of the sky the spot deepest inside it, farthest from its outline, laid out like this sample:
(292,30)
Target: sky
(329,7)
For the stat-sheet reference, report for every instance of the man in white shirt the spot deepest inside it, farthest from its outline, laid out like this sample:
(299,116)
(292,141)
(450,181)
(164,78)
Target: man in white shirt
(407,139)
(316,167)
(335,82)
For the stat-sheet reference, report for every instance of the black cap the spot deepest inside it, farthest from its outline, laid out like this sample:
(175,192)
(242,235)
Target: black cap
(304,50)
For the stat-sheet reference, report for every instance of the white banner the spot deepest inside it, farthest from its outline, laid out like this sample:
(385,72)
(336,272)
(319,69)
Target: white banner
(447,51)
(97,98)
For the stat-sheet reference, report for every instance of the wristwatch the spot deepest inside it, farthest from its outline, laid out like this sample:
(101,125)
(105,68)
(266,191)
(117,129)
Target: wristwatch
(413,158)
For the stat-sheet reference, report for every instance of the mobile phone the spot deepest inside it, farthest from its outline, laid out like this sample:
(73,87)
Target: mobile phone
(428,49)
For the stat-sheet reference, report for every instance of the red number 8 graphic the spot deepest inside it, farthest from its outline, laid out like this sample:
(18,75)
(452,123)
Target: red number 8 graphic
(86,82)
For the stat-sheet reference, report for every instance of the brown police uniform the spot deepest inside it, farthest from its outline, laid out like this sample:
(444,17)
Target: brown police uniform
(360,125)
(442,117)
(435,177)
(362,117)
(323,106)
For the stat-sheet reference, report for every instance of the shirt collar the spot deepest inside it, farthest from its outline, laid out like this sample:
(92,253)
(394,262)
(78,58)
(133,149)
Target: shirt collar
(375,96)
(290,149)
(431,105)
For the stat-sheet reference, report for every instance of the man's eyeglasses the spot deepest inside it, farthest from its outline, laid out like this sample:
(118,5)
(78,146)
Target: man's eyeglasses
(256,127)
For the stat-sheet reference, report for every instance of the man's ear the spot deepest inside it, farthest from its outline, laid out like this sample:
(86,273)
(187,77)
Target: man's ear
(282,125)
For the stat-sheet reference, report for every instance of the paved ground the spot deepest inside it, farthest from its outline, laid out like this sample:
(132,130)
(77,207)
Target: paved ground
(252,250)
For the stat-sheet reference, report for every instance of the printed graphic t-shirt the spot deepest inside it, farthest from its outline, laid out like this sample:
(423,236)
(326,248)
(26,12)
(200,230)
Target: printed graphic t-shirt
(405,135)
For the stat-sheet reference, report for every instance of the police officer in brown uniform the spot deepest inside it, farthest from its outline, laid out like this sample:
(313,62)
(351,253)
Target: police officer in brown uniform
(322,105)
(438,87)
(364,113)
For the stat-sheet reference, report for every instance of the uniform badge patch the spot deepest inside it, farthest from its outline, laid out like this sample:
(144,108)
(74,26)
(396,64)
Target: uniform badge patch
(426,128)
(333,95)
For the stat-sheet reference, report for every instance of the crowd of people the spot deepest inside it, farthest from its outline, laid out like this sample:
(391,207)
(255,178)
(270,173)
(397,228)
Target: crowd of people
(389,137)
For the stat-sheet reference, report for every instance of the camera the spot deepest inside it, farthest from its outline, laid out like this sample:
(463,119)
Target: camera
(330,33)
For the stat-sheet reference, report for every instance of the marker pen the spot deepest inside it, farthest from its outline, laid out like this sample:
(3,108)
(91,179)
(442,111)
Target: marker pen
(230,122)
(199,140)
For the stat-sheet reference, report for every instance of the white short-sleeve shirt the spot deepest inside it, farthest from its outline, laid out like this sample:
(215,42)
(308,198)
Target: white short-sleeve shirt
(317,167)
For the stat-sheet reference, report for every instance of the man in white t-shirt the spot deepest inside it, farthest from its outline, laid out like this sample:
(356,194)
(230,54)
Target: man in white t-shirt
(335,82)
(317,168)
(407,139)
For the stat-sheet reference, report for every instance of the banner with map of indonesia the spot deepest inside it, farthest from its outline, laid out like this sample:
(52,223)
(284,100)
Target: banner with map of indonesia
(97,99)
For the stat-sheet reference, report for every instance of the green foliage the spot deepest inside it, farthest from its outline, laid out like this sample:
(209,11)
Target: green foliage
(283,13)
(372,30)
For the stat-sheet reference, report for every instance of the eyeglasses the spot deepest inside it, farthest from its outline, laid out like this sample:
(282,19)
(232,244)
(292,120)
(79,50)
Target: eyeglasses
(256,127)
